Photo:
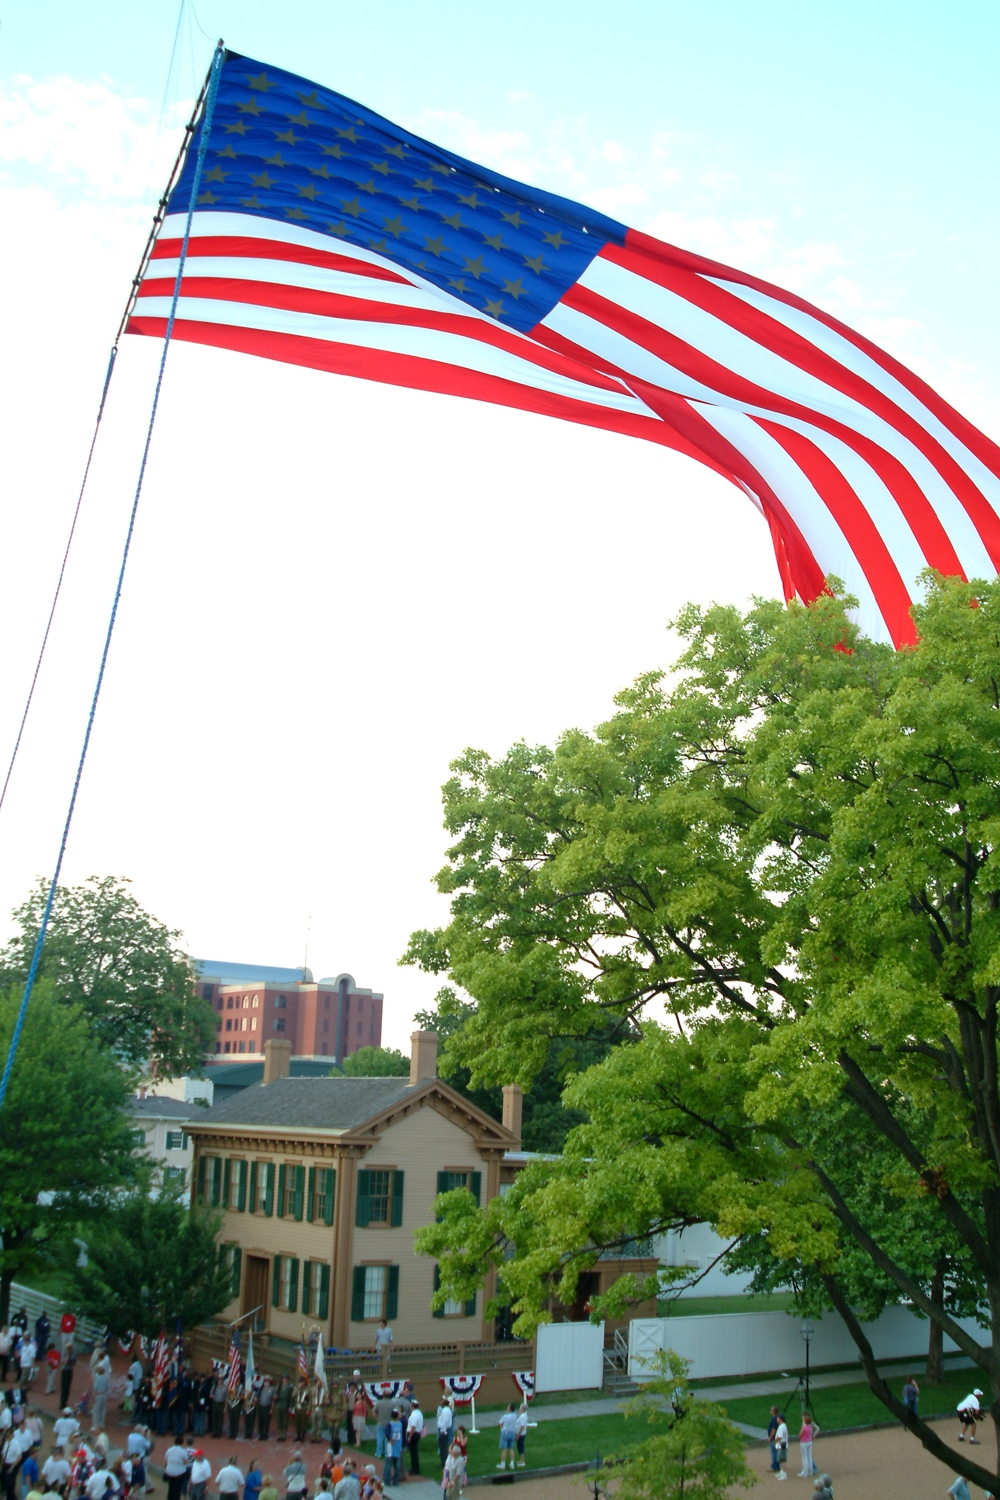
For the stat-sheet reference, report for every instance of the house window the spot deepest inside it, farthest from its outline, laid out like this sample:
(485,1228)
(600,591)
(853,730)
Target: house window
(138,1137)
(253,1023)
(294,1178)
(229,1003)
(253,1046)
(375,1293)
(176,1140)
(256,1001)
(316,1288)
(229,1024)
(380,1197)
(173,1174)
(324,1184)
(227,1046)
(286,1282)
(279,1023)
(326,1027)
(324,1049)
(246,1022)
(280,1002)
(206,992)
(218,1046)
(376,1278)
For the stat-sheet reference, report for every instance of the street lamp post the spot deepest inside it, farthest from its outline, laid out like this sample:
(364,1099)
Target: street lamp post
(598,1486)
(807,1332)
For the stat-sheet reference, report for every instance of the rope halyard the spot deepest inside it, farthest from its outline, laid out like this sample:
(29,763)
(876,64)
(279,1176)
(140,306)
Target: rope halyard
(209,94)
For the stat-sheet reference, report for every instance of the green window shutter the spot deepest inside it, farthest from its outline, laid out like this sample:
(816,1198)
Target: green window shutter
(216,1180)
(293,1286)
(396,1212)
(358,1294)
(252,1195)
(306,1287)
(444,1182)
(280,1205)
(362,1217)
(476,1185)
(227,1180)
(470,1308)
(276,1281)
(269,1189)
(201,1178)
(323,1311)
(241,1191)
(331,1191)
(392,1293)
(438,1311)
(298,1191)
(237,1258)
(310,1194)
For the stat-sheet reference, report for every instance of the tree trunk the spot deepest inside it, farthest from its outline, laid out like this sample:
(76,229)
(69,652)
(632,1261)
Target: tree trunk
(935,1342)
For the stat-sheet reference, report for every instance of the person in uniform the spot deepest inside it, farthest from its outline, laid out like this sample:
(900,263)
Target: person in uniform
(301,1410)
(265,1405)
(334,1413)
(282,1401)
(234,1406)
(317,1420)
(250,1411)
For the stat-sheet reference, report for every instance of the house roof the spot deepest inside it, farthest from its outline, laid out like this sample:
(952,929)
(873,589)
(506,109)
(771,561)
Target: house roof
(157,1107)
(230,973)
(335,1104)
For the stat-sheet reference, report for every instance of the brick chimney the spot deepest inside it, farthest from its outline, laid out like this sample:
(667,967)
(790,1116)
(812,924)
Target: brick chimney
(513,1100)
(423,1055)
(277,1060)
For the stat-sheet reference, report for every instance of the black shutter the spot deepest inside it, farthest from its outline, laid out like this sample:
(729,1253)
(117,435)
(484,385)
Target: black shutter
(443,1182)
(324,1291)
(358,1295)
(362,1217)
(470,1308)
(201,1179)
(237,1258)
(276,1281)
(253,1187)
(227,1180)
(438,1311)
(392,1293)
(331,1190)
(216,1180)
(280,1205)
(269,1189)
(241,1191)
(476,1185)
(306,1287)
(293,1286)
(396,1216)
(311,1194)
(298,1191)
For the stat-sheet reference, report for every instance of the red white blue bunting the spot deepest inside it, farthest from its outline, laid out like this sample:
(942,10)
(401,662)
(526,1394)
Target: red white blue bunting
(525,1382)
(462,1388)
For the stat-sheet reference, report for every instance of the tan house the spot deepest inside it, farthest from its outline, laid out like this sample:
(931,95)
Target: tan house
(323,1182)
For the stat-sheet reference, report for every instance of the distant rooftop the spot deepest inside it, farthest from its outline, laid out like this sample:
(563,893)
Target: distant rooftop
(212,968)
(160,1108)
(309,1103)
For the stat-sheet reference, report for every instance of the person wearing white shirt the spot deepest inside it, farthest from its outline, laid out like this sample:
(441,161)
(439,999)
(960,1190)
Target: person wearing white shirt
(134,1376)
(55,1470)
(414,1432)
(97,1484)
(444,1421)
(175,1465)
(138,1443)
(229,1478)
(781,1447)
(5,1416)
(65,1426)
(519,1433)
(201,1473)
(969,1414)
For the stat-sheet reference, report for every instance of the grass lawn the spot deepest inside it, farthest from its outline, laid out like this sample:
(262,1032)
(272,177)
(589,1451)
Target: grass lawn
(575,1440)
(693,1307)
(853,1405)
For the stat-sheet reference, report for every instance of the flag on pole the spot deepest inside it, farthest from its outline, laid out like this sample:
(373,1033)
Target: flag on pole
(320,1364)
(249,1378)
(235,1364)
(326,236)
(303,1358)
(161,1362)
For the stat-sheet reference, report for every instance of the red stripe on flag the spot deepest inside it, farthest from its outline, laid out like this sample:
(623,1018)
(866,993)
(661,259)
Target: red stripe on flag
(237,247)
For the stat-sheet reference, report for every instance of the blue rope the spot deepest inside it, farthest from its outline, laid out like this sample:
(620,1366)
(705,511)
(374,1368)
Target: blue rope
(36,956)
(62,573)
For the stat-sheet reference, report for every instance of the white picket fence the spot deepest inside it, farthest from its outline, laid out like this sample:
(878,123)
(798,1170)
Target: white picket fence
(569,1356)
(33,1302)
(724,1344)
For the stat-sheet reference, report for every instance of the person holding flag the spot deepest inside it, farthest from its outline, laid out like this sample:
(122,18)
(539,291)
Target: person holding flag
(320,1392)
(249,1393)
(234,1383)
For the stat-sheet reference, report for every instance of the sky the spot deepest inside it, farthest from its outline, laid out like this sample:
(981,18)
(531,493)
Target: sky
(335,587)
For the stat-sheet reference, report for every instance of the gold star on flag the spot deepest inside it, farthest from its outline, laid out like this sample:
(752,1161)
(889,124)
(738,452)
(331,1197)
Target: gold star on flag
(239,128)
(458,284)
(437,166)
(350,134)
(469,199)
(265,180)
(436,247)
(251,202)
(227,150)
(288,136)
(494,240)
(277,160)
(354,207)
(555,240)
(216,175)
(332,150)
(394,226)
(395,151)
(380,166)
(514,218)
(295,213)
(302,119)
(411,203)
(369,186)
(323,171)
(309,191)
(453,219)
(494,308)
(537,264)
(514,287)
(251,107)
(310,100)
(425,184)
(474,267)
(340,228)
(260,85)
(377,245)
(207,198)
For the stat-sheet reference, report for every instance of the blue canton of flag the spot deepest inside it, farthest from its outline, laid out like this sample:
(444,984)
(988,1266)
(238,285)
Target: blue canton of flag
(311,157)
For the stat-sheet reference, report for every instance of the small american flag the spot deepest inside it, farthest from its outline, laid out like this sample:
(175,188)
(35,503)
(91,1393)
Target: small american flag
(326,236)
(161,1365)
(235,1364)
(303,1358)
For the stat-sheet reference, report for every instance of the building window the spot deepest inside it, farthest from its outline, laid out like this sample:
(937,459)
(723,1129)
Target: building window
(326,1001)
(243,1046)
(176,1140)
(287,1279)
(324,1049)
(138,1137)
(206,992)
(375,1293)
(218,1025)
(253,1046)
(173,1174)
(229,1023)
(229,1003)
(324,1185)
(218,1046)
(253,1023)
(279,1023)
(221,1003)
(280,1002)
(453,1308)
(294,1179)
(246,1002)
(246,1022)
(448,1181)
(316,1288)
(380,1197)
(326,1027)
(227,1046)
(256,1001)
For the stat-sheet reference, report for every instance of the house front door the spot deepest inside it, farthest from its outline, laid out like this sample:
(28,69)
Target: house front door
(256,1283)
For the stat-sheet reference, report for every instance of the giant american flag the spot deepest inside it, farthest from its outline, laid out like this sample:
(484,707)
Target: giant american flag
(326,236)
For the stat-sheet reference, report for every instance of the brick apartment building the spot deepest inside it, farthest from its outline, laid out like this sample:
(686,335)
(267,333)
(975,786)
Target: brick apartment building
(255,1004)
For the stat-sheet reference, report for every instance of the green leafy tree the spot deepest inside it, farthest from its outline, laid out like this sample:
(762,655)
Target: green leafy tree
(152,1260)
(104,953)
(545,1121)
(65,1136)
(793,852)
(700,1456)
(374,1062)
